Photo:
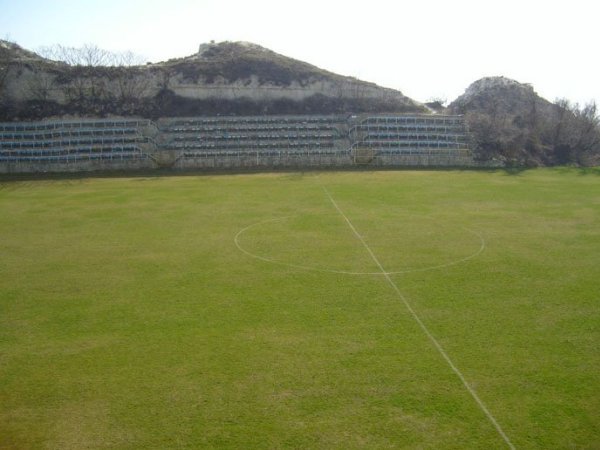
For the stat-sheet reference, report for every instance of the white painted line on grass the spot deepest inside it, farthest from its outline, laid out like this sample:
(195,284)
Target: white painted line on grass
(236,240)
(422,325)
(272,260)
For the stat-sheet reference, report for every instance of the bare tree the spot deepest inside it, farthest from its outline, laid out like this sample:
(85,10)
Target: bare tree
(90,55)
(93,56)
(577,132)
(128,59)
(84,83)
(590,142)
(88,81)
(7,61)
(131,84)
(40,85)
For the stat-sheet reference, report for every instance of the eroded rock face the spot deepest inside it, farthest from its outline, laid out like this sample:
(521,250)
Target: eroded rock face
(510,121)
(491,83)
(499,94)
(220,74)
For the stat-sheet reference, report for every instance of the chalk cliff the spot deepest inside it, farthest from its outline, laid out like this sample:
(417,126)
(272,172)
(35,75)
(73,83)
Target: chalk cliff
(221,78)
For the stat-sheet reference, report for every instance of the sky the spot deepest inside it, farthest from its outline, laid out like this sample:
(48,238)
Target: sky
(425,48)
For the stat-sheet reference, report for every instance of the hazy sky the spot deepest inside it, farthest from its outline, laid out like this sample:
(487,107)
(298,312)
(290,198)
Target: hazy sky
(425,48)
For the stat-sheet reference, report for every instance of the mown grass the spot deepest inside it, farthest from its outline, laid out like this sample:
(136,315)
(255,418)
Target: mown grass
(130,319)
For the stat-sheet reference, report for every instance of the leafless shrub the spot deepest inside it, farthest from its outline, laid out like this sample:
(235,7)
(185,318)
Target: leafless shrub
(90,55)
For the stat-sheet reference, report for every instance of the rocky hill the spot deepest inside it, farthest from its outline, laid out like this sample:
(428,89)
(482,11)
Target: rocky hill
(222,78)
(510,122)
(502,95)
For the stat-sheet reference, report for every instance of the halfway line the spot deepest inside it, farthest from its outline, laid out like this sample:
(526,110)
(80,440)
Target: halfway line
(422,325)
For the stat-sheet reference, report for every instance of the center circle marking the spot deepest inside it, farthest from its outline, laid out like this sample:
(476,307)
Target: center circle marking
(267,258)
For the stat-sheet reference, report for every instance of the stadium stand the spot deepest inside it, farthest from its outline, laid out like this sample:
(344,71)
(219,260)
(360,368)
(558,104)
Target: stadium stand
(71,145)
(431,135)
(232,142)
(256,137)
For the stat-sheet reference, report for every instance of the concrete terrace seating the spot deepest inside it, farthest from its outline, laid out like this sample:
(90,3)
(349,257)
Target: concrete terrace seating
(74,141)
(234,142)
(196,137)
(411,134)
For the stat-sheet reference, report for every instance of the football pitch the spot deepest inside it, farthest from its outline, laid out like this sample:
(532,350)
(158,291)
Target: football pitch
(321,310)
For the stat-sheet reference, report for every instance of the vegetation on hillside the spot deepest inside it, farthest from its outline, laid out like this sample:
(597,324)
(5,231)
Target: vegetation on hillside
(234,61)
(96,82)
(510,122)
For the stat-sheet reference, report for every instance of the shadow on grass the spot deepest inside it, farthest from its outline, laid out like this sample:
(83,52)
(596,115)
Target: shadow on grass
(579,170)
(515,171)
(294,172)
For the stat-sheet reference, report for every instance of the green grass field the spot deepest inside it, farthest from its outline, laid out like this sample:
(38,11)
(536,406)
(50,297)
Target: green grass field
(241,311)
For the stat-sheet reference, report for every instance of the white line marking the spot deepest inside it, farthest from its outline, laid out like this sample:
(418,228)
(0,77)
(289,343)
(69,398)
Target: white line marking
(422,325)
(236,240)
